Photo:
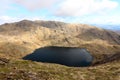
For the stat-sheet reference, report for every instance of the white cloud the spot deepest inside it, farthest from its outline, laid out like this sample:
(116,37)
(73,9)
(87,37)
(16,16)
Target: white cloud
(105,20)
(29,4)
(9,19)
(36,4)
(72,10)
(84,7)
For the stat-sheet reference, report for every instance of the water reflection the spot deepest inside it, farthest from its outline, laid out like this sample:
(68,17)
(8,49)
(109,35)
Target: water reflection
(76,57)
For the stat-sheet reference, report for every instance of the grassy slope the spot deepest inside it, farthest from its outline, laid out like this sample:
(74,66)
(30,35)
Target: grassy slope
(28,70)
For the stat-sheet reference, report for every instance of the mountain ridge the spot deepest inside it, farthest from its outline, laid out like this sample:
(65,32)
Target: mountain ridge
(61,27)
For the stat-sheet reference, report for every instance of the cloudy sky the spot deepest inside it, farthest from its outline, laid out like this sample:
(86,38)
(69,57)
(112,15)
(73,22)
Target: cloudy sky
(76,11)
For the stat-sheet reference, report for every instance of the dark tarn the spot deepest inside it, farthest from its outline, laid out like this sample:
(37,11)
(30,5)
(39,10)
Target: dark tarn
(69,56)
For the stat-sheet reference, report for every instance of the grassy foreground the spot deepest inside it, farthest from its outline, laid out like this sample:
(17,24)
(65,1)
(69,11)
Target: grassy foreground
(17,69)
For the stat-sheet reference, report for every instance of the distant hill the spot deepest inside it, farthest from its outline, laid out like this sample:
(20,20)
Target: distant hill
(117,31)
(109,27)
(115,28)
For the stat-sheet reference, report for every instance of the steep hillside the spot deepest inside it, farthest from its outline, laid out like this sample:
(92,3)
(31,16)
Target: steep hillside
(49,29)
(22,38)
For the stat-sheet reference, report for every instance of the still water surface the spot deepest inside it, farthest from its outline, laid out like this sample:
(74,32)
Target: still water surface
(68,56)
